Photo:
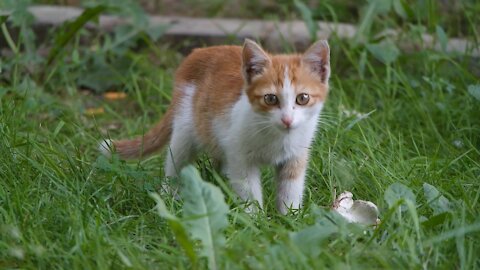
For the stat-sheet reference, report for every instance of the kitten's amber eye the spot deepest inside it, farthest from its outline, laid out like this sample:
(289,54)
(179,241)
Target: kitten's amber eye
(270,99)
(303,99)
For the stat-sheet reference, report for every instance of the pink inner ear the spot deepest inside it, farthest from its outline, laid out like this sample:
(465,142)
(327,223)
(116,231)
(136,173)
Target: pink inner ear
(320,68)
(254,68)
(254,59)
(318,58)
(251,71)
(323,72)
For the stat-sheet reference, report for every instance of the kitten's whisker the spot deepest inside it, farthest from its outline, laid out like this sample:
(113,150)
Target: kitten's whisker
(262,123)
(329,121)
(260,130)
(326,123)
(323,126)
(328,117)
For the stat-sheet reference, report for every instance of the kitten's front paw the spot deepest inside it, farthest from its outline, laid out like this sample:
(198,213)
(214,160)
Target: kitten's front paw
(252,207)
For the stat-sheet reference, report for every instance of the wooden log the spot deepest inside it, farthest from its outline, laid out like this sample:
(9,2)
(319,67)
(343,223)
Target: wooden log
(273,34)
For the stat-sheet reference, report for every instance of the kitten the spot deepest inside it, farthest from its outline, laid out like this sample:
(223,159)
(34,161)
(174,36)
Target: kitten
(245,108)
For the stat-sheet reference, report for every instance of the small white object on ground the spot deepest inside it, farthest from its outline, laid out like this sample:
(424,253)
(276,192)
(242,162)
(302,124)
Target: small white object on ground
(356,211)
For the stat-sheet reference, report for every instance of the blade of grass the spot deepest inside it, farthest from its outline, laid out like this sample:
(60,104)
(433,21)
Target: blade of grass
(307,18)
(72,28)
(7,35)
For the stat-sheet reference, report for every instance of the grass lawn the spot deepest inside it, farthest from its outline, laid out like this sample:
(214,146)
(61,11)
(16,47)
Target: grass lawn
(400,129)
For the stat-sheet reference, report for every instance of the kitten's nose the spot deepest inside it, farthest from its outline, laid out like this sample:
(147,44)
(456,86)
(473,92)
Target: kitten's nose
(287,121)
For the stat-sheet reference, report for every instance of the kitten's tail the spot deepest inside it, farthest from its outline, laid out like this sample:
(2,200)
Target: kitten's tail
(144,145)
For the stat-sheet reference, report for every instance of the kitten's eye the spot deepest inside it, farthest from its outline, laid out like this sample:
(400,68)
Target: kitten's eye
(270,99)
(303,99)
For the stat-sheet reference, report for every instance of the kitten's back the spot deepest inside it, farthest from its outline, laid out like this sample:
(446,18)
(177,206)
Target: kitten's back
(215,73)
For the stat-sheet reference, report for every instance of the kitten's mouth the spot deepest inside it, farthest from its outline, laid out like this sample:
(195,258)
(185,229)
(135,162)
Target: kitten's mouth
(284,128)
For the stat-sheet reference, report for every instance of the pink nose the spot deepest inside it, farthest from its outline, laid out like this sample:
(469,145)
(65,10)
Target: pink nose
(287,121)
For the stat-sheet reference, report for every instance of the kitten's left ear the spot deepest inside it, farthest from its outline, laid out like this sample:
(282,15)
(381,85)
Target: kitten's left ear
(317,58)
(254,60)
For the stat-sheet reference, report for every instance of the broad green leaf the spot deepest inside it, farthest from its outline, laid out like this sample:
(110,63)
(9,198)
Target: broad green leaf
(406,8)
(411,207)
(396,192)
(399,9)
(101,76)
(157,31)
(326,217)
(436,220)
(435,200)
(309,240)
(382,6)
(474,90)
(17,11)
(442,37)
(385,51)
(307,18)
(204,214)
(363,30)
(72,28)
(177,227)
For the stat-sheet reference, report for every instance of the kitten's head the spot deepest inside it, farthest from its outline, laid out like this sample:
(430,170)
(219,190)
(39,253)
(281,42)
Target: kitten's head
(289,89)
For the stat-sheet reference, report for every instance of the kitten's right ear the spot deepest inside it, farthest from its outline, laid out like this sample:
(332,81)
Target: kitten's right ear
(254,60)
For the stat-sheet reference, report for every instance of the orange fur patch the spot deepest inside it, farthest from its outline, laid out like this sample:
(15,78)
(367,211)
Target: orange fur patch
(293,168)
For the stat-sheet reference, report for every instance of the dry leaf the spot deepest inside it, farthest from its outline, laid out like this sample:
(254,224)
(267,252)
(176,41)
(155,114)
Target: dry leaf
(114,95)
(94,111)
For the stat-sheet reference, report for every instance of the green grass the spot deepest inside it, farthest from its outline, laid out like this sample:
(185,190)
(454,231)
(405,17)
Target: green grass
(64,206)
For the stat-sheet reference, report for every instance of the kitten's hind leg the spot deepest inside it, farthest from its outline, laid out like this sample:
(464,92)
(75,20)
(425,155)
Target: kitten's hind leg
(180,152)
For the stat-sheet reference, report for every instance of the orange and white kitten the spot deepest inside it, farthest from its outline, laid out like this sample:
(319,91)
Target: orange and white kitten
(245,108)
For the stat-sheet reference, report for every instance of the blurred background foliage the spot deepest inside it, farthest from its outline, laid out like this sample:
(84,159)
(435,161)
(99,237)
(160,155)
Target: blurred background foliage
(101,64)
